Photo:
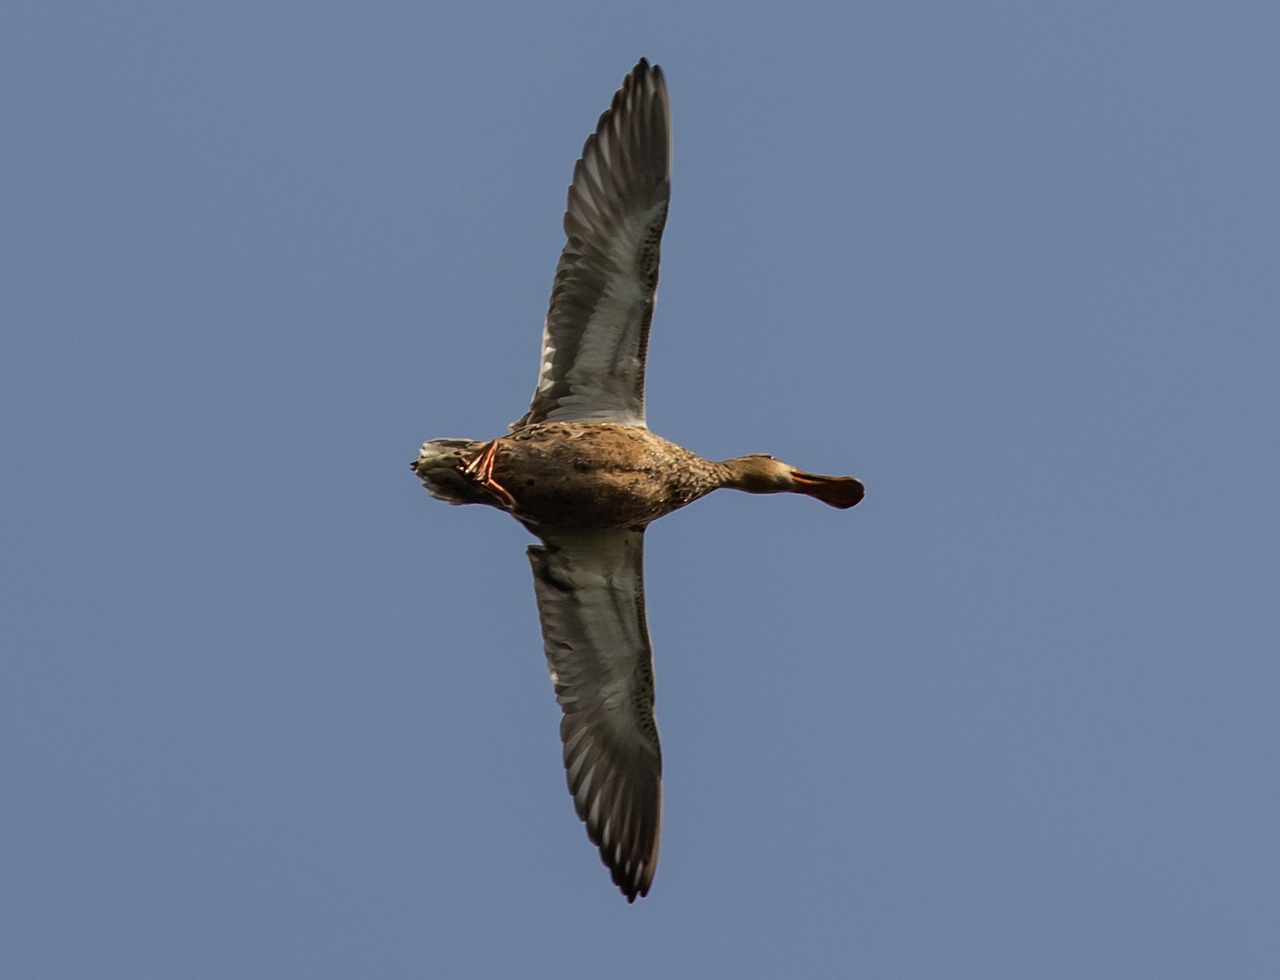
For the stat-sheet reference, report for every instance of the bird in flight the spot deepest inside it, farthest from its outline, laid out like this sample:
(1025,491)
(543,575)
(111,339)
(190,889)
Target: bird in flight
(584,474)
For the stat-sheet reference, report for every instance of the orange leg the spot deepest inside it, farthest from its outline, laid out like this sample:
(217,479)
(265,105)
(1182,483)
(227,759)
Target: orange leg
(480,469)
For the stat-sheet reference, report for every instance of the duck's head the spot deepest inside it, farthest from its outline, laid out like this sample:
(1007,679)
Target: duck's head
(761,473)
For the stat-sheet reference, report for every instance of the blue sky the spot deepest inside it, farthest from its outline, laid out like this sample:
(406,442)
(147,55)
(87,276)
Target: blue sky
(267,710)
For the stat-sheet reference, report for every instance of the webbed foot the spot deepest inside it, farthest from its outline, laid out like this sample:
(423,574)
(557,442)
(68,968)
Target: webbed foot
(480,469)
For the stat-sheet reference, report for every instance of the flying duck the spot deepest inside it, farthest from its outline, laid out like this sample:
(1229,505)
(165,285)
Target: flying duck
(584,474)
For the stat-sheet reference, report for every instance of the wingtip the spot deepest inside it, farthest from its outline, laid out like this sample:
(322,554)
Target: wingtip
(635,878)
(643,75)
(634,886)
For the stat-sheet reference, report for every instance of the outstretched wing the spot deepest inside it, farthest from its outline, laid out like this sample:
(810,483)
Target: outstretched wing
(597,329)
(590,594)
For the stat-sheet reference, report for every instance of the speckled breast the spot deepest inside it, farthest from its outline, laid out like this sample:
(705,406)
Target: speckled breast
(599,474)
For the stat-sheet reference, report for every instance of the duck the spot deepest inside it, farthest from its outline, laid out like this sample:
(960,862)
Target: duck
(584,474)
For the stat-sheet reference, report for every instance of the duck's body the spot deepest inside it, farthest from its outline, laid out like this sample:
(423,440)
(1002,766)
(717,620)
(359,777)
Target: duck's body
(575,475)
(600,475)
(583,472)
